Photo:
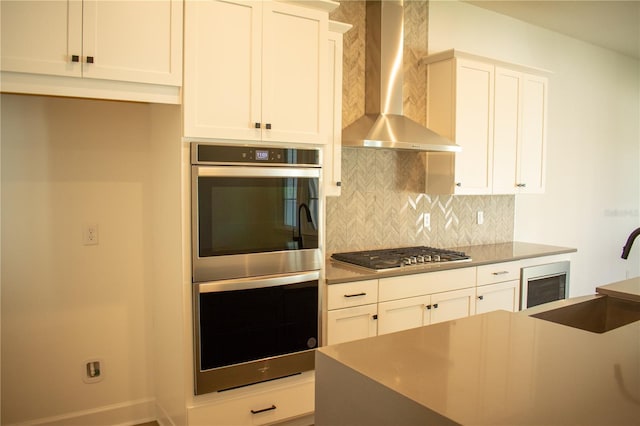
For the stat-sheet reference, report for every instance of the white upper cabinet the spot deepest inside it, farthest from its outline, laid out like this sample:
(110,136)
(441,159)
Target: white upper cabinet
(332,161)
(497,112)
(256,70)
(104,49)
(41,37)
(460,107)
(520,132)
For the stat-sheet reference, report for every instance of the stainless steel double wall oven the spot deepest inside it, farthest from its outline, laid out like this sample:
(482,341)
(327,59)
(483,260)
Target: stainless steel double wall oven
(256,228)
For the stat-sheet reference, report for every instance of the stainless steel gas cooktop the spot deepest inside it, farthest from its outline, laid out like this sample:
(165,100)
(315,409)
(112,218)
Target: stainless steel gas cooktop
(390,259)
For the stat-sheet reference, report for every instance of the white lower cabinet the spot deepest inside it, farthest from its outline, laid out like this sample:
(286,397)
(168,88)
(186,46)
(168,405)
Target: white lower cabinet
(403,314)
(368,308)
(498,287)
(453,305)
(345,325)
(266,403)
(494,297)
(411,301)
(351,311)
(397,315)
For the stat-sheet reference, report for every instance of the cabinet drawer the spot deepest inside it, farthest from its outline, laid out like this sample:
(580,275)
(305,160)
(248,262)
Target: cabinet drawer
(427,283)
(498,272)
(352,294)
(258,408)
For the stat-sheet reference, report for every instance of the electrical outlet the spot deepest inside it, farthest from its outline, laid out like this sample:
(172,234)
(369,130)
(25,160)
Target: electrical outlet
(92,370)
(426,220)
(90,235)
(480,218)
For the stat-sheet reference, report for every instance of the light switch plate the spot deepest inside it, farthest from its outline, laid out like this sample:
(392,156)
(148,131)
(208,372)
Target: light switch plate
(90,235)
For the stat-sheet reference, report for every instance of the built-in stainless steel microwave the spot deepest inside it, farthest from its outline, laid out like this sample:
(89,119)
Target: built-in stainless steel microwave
(544,283)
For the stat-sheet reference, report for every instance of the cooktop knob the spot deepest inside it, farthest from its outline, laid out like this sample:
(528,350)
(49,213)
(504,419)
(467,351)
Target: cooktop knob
(436,258)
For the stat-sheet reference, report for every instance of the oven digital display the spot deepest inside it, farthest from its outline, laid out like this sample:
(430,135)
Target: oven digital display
(262,155)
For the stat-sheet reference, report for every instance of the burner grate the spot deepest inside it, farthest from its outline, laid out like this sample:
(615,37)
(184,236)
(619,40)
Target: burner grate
(384,259)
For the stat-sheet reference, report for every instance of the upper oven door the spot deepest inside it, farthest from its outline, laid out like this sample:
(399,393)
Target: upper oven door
(254,220)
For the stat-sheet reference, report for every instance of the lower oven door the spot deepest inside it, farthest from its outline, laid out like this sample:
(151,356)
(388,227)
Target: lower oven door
(255,329)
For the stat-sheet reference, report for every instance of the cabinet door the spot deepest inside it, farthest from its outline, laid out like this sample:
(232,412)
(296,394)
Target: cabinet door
(223,69)
(345,325)
(507,111)
(40,37)
(332,162)
(531,155)
(136,41)
(452,305)
(493,297)
(519,132)
(474,127)
(397,315)
(294,74)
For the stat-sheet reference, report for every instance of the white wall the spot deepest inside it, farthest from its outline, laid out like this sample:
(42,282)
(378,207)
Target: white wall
(65,163)
(592,198)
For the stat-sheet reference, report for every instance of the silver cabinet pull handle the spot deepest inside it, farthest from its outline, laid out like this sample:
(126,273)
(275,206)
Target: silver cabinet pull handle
(273,407)
(500,272)
(355,295)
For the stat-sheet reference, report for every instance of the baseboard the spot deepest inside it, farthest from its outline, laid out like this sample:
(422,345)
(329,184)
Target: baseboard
(162,417)
(123,414)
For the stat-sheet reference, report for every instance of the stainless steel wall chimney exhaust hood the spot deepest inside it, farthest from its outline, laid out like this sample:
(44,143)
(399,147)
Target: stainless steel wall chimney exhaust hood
(384,125)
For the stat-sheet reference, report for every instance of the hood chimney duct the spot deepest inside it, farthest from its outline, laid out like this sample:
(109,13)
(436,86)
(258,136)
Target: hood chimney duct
(384,125)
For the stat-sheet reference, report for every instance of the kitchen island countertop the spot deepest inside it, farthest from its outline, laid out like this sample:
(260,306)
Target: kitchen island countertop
(480,254)
(498,368)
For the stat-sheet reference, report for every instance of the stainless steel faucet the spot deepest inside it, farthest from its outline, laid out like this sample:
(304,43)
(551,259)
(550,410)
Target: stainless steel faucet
(627,247)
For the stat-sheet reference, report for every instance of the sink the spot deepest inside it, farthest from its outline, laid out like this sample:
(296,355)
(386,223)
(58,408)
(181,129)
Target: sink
(597,315)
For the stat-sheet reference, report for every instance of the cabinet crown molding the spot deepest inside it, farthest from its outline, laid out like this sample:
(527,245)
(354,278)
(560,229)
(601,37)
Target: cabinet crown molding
(324,5)
(455,53)
(339,27)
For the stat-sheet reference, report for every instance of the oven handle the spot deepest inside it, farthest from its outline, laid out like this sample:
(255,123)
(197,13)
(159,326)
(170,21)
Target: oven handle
(268,172)
(256,282)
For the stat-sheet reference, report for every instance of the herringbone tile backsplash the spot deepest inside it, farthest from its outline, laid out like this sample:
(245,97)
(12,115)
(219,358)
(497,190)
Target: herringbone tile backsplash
(382,203)
(381,206)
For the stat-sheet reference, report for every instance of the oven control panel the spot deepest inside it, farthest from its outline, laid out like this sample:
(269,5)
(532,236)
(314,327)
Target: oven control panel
(202,153)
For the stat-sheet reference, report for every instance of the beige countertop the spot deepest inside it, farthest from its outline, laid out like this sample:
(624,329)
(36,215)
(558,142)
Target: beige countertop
(480,255)
(627,289)
(499,368)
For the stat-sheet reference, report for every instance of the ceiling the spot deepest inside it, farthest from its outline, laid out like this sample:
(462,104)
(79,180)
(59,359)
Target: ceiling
(611,24)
